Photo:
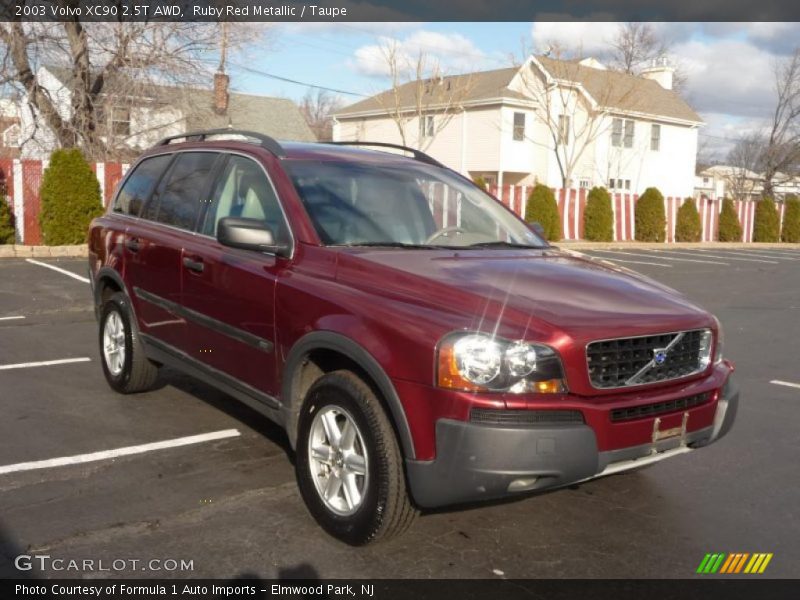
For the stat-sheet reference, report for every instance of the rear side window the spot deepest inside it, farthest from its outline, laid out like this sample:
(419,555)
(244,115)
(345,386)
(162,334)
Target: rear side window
(178,199)
(139,185)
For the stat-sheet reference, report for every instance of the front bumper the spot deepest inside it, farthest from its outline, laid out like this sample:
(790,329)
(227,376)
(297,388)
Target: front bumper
(482,462)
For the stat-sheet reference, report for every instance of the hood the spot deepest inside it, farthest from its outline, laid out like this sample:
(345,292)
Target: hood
(548,291)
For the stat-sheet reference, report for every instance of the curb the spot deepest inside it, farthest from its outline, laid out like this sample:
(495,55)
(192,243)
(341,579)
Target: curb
(675,245)
(78,251)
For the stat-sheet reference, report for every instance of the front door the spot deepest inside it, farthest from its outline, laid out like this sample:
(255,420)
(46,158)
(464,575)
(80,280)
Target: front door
(232,291)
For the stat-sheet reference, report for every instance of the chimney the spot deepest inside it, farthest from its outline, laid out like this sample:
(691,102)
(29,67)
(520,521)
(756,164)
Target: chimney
(221,92)
(660,71)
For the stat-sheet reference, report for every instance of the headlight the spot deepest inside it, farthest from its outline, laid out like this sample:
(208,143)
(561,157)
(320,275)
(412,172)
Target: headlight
(478,362)
(706,341)
(720,339)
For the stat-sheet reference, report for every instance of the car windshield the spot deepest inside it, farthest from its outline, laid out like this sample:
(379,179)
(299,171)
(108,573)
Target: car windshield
(403,205)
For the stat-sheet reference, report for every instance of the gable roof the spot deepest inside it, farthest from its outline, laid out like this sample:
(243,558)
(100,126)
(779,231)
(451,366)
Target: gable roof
(609,89)
(483,85)
(277,117)
(622,91)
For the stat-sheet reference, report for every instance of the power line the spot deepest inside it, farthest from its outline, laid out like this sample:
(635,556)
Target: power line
(294,81)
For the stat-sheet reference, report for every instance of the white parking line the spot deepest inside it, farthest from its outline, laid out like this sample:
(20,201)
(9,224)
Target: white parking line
(10,318)
(710,262)
(127,451)
(786,383)
(59,269)
(45,363)
(634,262)
(761,254)
(705,253)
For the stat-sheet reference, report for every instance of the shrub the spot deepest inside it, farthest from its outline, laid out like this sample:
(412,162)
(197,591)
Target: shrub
(479,181)
(688,227)
(542,208)
(791,220)
(70,196)
(767,222)
(651,219)
(598,219)
(730,230)
(7,235)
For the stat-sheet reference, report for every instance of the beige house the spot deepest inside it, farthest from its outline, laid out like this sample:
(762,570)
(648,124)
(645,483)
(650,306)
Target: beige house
(551,121)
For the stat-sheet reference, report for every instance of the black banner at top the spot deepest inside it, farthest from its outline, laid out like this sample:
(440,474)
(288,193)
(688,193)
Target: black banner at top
(397,10)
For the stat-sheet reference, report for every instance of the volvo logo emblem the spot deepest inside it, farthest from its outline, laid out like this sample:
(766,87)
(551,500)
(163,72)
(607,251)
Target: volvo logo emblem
(660,356)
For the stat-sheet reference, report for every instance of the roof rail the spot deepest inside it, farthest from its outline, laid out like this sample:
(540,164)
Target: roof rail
(264,141)
(418,154)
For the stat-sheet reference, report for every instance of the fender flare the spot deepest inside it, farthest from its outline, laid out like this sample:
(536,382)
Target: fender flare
(107,273)
(328,340)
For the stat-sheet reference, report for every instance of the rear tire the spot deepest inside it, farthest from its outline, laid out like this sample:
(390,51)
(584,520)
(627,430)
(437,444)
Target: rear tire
(125,365)
(354,487)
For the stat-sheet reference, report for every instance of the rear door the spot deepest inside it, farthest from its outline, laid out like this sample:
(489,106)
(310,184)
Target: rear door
(232,291)
(155,247)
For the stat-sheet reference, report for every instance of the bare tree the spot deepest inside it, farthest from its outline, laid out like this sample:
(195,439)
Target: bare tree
(318,107)
(420,94)
(637,46)
(745,158)
(783,138)
(574,120)
(107,71)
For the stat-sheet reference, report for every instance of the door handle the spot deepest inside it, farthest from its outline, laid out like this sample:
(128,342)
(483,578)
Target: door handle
(193,265)
(132,244)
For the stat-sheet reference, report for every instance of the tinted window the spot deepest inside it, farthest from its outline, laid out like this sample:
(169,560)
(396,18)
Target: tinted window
(183,190)
(140,184)
(243,190)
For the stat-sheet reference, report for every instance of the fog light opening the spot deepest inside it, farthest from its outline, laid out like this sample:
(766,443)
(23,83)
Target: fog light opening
(522,484)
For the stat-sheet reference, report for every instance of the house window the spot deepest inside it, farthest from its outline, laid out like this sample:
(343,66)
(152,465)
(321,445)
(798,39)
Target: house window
(611,183)
(584,183)
(11,136)
(120,121)
(627,184)
(519,127)
(655,137)
(628,134)
(563,130)
(616,134)
(622,133)
(426,126)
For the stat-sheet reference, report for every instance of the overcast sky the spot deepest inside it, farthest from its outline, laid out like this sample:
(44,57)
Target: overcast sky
(729,66)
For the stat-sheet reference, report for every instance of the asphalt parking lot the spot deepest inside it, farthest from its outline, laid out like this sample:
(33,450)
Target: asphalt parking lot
(230,505)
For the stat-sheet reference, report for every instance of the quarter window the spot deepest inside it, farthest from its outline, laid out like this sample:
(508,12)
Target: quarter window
(180,195)
(139,185)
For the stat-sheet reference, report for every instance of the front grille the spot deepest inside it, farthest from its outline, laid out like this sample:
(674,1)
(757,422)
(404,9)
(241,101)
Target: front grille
(658,408)
(490,416)
(613,363)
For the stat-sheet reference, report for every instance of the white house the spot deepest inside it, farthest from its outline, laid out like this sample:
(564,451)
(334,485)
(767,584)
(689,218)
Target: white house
(132,116)
(551,121)
(738,183)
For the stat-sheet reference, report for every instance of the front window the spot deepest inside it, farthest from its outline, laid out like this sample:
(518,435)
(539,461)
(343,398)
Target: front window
(414,205)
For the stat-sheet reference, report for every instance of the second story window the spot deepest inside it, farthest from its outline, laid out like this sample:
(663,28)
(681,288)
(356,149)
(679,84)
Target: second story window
(563,130)
(120,121)
(655,137)
(519,127)
(426,126)
(622,133)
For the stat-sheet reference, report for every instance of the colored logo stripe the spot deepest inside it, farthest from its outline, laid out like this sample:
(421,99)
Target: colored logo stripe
(734,563)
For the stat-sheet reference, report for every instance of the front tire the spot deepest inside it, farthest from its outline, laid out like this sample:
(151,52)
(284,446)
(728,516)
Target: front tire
(349,466)
(125,365)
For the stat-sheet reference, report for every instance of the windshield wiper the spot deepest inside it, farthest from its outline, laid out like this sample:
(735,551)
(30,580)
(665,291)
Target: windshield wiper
(388,245)
(499,244)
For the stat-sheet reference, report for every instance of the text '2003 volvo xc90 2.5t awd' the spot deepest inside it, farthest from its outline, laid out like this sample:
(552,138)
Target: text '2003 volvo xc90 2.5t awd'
(420,344)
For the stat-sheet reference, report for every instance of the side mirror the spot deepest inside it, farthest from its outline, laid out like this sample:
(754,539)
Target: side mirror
(249,234)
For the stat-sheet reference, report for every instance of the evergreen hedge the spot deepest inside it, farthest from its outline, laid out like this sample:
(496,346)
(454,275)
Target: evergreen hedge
(730,229)
(791,220)
(688,227)
(7,235)
(480,182)
(767,222)
(651,218)
(598,220)
(70,195)
(542,208)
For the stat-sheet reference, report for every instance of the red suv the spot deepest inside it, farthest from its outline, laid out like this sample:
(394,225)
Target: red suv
(420,344)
